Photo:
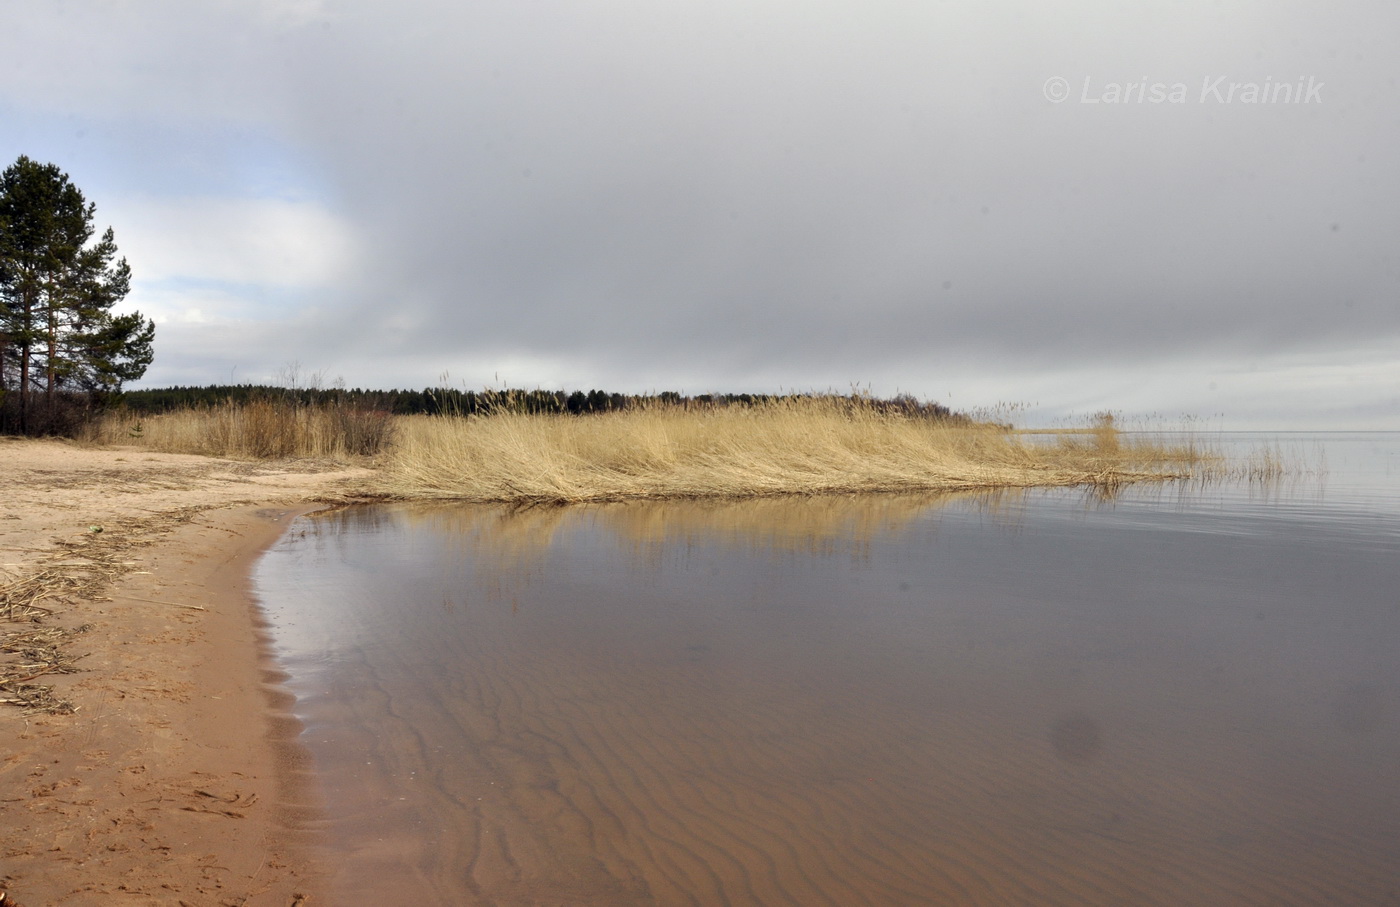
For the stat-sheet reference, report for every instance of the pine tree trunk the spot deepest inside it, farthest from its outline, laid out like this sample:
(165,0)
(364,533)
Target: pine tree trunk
(49,365)
(25,355)
(24,388)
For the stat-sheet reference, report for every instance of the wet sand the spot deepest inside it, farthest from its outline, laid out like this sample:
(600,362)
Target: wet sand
(177,780)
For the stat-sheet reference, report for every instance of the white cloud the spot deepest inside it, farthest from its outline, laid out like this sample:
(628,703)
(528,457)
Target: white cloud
(172,303)
(261,242)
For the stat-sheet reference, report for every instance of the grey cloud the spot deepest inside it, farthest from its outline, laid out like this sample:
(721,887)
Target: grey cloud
(577,189)
(729,194)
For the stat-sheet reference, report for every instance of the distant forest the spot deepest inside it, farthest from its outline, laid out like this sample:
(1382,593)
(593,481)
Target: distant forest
(435,401)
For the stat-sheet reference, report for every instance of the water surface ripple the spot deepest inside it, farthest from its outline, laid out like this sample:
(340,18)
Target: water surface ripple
(1180,695)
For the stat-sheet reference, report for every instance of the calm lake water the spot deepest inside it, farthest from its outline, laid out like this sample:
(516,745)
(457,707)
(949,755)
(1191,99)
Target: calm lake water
(1181,695)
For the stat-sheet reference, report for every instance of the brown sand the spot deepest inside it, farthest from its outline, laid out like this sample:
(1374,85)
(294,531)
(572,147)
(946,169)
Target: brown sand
(177,780)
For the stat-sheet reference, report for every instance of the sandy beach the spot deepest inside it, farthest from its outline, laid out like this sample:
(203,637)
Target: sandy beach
(163,769)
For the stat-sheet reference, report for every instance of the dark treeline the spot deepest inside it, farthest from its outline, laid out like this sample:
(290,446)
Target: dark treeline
(436,401)
(59,413)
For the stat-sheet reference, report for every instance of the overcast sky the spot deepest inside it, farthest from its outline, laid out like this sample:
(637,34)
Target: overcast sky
(1177,209)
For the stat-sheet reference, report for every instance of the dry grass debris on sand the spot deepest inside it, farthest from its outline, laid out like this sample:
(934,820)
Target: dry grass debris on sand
(804,445)
(83,567)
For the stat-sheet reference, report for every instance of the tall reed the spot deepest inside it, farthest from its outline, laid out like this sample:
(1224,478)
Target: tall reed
(258,429)
(792,445)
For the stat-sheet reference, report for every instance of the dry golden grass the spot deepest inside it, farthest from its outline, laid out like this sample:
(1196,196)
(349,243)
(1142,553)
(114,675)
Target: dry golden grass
(810,445)
(264,429)
(793,445)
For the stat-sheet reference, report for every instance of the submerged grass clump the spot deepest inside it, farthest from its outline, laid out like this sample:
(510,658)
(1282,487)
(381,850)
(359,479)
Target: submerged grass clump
(794,445)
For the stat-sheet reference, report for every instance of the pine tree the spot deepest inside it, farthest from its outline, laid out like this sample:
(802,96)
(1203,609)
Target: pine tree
(57,289)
